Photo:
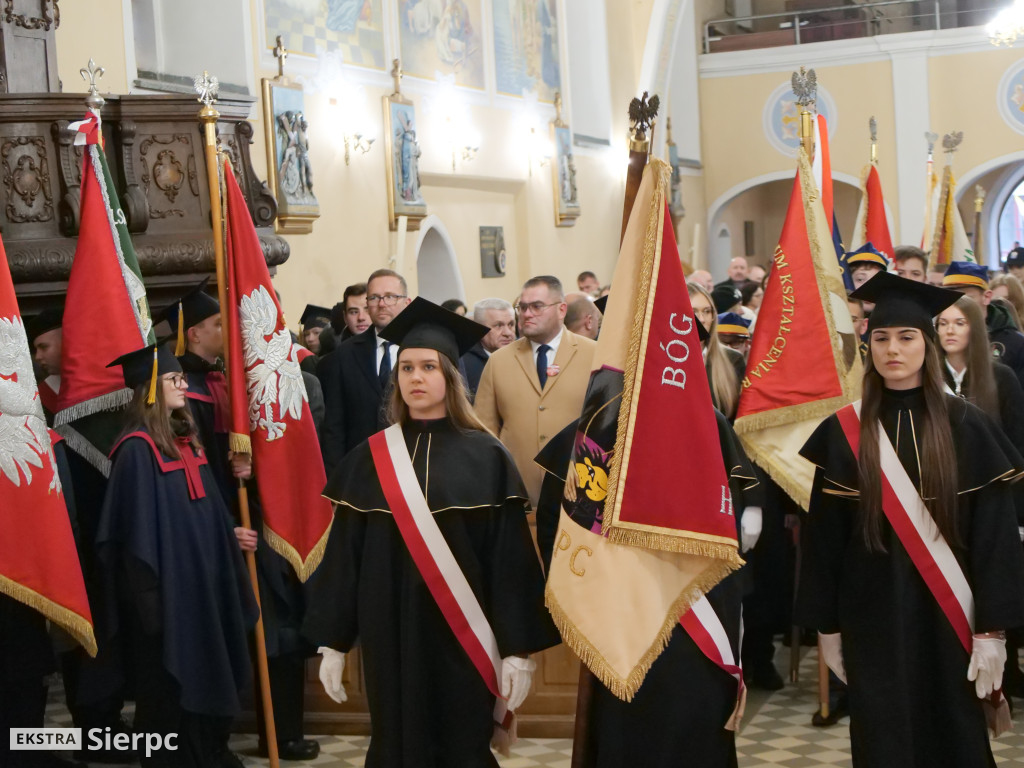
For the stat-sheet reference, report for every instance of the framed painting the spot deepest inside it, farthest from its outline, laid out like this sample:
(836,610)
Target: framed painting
(563,171)
(526,48)
(353,28)
(442,36)
(401,160)
(288,162)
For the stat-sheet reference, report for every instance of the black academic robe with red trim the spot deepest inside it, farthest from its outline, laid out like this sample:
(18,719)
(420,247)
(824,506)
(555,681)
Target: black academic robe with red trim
(678,716)
(429,706)
(173,572)
(910,701)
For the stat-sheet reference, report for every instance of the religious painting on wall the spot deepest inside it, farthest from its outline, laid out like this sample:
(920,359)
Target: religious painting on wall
(402,160)
(780,118)
(355,28)
(442,36)
(288,163)
(526,56)
(563,169)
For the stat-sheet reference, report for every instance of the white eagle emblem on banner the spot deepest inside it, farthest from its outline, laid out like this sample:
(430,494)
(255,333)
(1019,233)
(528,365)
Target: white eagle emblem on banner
(273,376)
(24,438)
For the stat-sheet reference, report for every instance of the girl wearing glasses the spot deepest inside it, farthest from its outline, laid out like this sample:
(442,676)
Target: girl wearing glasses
(725,366)
(175,586)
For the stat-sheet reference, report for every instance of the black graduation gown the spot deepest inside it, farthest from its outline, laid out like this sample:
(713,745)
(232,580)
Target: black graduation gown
(678,716)
(910,701)
(429,707)
(173,568)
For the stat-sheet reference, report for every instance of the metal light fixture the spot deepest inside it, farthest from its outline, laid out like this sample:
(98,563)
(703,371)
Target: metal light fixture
(1008,25)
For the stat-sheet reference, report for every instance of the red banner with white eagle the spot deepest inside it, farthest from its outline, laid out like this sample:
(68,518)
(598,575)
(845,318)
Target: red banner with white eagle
(38,561)
(270,416)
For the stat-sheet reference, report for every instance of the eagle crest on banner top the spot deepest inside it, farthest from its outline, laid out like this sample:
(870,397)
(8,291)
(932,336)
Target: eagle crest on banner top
(273,376)
(951,143)
(24,438)
(805,86)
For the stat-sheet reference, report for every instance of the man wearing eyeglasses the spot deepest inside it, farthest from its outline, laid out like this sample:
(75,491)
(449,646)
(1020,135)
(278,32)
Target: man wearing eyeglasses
(533,387)
(355,377)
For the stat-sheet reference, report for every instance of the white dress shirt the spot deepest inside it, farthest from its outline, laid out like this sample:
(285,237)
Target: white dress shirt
(392,351)
(553,344)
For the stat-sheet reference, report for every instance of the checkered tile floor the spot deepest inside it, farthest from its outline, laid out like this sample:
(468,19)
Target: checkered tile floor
(776,732)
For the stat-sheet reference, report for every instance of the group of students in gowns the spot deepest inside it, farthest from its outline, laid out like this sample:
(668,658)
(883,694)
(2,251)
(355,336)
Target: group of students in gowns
(174,580)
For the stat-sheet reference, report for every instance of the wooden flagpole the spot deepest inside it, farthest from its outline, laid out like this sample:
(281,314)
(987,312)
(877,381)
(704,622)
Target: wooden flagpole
(208,116)
(642,112)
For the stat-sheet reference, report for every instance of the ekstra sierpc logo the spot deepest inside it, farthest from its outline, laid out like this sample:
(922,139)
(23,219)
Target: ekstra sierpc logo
(39,739)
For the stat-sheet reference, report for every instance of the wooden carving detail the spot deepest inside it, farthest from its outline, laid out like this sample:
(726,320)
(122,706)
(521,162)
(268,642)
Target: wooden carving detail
(26,21)
(165,172)
(69,173)
(133,198)
(26,179)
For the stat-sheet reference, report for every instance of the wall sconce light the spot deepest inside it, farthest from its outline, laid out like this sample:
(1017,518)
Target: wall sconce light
(357,142)
(540,148)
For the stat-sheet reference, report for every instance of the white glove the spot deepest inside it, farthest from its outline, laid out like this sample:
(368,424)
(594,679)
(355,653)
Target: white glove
(750,528)
(516,676)
(831,647)
(332,665)
(988,657)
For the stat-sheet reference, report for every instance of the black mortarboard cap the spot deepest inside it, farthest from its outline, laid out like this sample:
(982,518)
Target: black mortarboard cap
(601,303)
(47,320)
(903,303)
(144,366)
(425,325)
(188,311)
(725,296)
(312,313)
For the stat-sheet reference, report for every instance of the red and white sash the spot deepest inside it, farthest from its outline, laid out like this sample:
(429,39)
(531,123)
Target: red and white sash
(435,561)
(917,532)
(705,628)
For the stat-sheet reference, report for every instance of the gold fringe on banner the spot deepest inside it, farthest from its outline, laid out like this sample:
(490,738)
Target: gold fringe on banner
(240,443)
(626,688)
(76,625)
(303,568)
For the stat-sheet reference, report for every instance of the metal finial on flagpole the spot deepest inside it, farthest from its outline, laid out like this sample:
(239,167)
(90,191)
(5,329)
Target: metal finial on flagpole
(91,73)
(950,144)
(931,138)
(873,128)
(805,86)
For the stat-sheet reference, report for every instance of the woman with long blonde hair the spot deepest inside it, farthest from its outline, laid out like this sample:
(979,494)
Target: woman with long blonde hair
(872,587)
(429,705)
(725,366)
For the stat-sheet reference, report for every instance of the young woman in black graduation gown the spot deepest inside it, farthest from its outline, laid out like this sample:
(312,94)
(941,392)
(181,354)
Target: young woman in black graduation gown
(914,692)
(972,373)
(175,582)
(429,707)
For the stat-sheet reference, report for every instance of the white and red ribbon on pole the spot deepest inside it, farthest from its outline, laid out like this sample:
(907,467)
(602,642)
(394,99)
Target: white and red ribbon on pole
(706,630)
(435,561)
(88,130)
(917,531)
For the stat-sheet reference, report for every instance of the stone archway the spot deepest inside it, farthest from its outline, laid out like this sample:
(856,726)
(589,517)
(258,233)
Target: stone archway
(437,268)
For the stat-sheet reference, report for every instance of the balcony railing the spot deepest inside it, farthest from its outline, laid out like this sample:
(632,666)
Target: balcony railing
(810,21)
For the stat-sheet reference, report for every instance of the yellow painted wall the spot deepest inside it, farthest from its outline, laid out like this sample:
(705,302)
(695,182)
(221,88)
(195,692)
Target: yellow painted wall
(735,148)
(352,238)
(962,89)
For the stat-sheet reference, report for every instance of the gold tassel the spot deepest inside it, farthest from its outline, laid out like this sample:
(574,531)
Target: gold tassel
(179,348)
(151,397)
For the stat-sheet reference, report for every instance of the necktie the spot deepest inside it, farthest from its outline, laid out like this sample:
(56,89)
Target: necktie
(542,364)
(385,365)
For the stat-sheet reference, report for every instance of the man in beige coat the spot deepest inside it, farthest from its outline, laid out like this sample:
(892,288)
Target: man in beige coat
(533,387)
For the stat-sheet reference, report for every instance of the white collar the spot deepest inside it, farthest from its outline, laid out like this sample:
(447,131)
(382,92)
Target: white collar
(958,378)
(552,345)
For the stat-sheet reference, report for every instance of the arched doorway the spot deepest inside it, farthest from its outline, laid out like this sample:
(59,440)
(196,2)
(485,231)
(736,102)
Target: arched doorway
(437,268)
(751,215)
(1002,216)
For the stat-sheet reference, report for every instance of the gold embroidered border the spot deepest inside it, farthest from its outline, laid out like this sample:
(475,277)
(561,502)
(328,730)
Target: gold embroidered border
(75,624)
(646,285)
(626,688)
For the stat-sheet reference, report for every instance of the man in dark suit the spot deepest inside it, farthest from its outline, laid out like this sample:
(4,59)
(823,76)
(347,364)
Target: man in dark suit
(498,315)
(359,370)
